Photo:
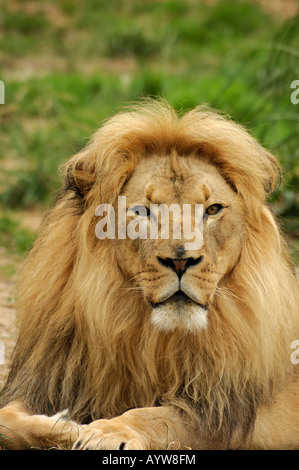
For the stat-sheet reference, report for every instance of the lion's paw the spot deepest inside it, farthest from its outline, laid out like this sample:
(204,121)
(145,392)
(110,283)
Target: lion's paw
(105,435)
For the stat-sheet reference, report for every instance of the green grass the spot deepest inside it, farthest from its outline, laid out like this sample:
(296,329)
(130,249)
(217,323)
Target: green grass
(22,237)
(66,68)
(15,241)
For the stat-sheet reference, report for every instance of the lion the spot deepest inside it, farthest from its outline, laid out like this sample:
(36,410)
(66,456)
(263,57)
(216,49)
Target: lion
(135,343)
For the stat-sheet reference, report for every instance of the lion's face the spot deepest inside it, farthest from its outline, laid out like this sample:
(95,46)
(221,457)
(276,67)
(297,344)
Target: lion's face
(179,285)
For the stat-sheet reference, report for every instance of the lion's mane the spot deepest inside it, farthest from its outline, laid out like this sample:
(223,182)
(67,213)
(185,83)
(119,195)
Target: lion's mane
(85,342)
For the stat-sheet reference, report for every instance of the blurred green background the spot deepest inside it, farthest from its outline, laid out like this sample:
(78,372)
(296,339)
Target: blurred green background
(68,64)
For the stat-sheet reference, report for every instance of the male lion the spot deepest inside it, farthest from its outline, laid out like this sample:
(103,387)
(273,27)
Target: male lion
(143,341)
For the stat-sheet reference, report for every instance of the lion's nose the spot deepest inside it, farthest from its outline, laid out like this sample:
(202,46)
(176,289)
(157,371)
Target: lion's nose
(179,265)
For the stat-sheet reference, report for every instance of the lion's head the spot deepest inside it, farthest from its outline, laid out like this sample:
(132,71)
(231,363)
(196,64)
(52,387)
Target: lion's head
(179,284)
(111,324)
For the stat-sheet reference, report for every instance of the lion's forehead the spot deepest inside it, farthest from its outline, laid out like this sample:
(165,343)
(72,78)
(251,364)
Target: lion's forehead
(157,180)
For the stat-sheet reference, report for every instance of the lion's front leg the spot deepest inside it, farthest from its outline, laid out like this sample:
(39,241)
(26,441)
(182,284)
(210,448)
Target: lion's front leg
(21,430)
(276,427)
(138,429)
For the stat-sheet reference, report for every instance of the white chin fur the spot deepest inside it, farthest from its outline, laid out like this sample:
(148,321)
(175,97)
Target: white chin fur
(193,318)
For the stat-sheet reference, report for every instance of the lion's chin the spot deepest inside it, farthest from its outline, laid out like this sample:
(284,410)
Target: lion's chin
(189,317)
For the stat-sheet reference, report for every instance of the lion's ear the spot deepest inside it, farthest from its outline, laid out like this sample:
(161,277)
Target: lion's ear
(79,177)
(273,173)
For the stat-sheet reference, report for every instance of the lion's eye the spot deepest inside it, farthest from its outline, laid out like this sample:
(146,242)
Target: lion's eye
(214,209)
(139,210)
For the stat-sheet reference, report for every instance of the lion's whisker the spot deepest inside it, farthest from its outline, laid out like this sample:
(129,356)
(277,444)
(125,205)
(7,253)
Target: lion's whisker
(220,291)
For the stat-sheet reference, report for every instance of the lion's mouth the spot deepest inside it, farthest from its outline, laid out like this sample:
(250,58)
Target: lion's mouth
(178,297)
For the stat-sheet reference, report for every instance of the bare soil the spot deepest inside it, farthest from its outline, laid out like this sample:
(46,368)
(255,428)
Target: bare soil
(8,331)
(7,324)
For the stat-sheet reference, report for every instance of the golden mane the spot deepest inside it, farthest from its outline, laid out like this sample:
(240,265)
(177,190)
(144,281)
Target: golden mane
(84,342)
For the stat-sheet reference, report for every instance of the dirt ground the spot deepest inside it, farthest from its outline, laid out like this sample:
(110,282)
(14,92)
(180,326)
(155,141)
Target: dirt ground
(7,324)
(31,220)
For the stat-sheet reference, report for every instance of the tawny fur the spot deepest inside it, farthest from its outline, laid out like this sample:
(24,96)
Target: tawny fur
(86,342)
